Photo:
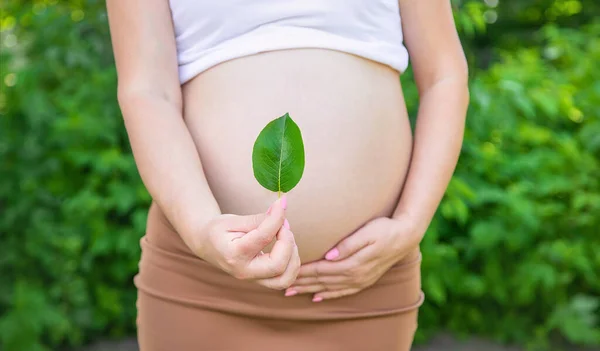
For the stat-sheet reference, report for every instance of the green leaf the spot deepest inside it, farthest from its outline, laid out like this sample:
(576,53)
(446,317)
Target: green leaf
(278,155)
(435,288)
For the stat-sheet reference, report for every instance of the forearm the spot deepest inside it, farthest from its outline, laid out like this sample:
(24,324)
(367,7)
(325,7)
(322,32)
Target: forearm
(438,139)
(168,162)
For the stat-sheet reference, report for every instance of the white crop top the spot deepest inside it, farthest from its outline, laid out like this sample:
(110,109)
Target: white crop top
(209,32)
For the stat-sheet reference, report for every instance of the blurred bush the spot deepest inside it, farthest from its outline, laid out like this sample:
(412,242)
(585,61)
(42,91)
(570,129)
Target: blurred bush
(512,254)
(73,207)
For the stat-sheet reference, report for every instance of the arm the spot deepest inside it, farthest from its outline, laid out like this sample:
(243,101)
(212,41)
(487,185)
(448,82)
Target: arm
(149,95)
(441,75)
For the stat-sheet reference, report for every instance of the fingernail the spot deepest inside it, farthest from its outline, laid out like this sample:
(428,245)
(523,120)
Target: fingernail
(317,299)
(283,201)
(269,210)
(333,254)
(286,224)
(291,293)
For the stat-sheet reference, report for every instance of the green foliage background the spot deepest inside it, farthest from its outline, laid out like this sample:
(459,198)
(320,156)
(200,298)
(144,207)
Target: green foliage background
(513,254)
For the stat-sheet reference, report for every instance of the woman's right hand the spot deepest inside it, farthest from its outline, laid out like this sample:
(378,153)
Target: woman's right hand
(235,244)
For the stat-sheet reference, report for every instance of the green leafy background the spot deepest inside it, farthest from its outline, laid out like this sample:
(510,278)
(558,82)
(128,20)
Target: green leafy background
(513,253)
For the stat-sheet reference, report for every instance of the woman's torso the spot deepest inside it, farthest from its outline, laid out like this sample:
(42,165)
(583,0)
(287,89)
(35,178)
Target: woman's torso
(356,133)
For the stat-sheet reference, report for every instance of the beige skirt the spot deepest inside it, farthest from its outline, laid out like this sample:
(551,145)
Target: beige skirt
(186,304)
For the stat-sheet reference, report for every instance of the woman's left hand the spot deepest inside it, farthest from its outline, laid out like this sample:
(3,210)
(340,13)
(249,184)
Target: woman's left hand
(359,260)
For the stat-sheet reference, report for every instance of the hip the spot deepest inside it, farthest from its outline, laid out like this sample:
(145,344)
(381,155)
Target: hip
(170,272)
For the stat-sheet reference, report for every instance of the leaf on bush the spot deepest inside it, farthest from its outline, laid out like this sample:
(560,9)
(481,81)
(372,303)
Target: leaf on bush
(435,289)
(577,321)
(278,155)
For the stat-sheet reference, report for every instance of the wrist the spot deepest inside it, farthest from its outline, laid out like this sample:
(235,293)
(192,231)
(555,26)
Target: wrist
(419,220)
(194,229)
(410,225)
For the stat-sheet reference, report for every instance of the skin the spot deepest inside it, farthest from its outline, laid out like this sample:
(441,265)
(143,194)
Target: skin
(344,185)
(354,217)
(441,75)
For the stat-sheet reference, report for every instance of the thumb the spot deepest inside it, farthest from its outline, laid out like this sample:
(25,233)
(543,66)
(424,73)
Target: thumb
(347,247)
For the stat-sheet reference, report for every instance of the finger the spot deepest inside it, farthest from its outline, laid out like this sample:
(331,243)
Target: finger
(326,280)
(287,278)
(324,268)
(274,263)
(244,224)
(328,295)
(349,246)
(257,239)
(306,289)
(346,267)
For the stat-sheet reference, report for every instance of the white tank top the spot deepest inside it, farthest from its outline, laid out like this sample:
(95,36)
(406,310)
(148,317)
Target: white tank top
(209,32)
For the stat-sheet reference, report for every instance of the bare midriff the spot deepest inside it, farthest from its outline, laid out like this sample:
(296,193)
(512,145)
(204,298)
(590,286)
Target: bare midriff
(356,132)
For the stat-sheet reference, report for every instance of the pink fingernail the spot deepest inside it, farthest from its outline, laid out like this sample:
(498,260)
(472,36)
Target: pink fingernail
(291,293)
(286,224)
(269,210)
(283,201)
(333,254)
(317,299)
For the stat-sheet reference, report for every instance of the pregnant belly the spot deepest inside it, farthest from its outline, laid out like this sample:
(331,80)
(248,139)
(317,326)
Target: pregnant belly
(355,128)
